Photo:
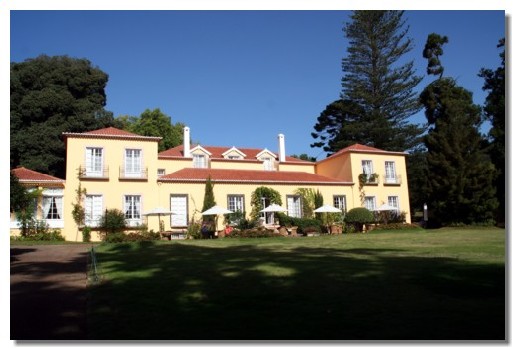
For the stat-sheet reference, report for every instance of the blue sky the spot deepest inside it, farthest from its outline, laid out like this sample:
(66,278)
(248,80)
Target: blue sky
(239,78)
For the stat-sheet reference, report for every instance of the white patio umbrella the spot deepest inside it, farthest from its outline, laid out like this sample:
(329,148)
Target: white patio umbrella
(273,208)
(217,210)
(327,209)
(159,211)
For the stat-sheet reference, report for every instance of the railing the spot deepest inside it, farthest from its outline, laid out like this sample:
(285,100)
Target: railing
(94,270)
(368,179)
(85,173)
(396,180)
(141,175)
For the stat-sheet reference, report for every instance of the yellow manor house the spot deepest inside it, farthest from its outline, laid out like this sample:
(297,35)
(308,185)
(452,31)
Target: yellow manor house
(122,170)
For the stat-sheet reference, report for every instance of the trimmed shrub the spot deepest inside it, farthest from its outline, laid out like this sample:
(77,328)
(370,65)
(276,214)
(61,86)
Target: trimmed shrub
(141,236)
(194,230)
(114,237)
(253,233)
(359,217)
(113,221)
(398,226)
(54,235)
(302,224)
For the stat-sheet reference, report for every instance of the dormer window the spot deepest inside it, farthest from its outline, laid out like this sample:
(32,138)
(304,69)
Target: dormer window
(200,157)
(234,154)
(199,161)
(268,158)
(268,163)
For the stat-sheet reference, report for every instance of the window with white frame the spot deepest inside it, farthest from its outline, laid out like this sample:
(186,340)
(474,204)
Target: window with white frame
(268,163)
(370,203)
(236,203)
(179,210)
(161,172)
(339,201)
(93,210)
(133,163)
(393,201)
(390,176)
(94,161)
(199,161)
(133,209)
(367,167)
(294,206)
(52,205)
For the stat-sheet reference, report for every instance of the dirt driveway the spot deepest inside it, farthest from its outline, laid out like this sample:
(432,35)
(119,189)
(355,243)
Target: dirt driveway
(48,292)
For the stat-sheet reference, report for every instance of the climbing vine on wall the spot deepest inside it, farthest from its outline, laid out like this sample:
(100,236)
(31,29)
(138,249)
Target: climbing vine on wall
(256,200)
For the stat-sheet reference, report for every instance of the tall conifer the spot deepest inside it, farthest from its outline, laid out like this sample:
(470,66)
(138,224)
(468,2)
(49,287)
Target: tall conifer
(459,173)
(378,93)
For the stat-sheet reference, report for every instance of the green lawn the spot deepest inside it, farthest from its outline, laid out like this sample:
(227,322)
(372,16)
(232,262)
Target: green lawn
(417,285)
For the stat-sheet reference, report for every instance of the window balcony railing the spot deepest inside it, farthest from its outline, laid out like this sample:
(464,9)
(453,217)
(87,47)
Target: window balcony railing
(368,179)
(133,175)
(87,173)
(394,180)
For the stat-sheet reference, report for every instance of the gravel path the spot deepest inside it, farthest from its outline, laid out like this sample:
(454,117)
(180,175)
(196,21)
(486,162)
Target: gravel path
(48,292)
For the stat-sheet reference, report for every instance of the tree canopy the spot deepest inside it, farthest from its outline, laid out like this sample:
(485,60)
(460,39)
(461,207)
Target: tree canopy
(49,96)
(495,112)
(459,173)
(432,52)
(378,93)
(155,123)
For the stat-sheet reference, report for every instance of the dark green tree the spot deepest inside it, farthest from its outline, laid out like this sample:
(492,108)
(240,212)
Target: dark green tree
(304,157)
(20,199)
(51,95)
(378,93)
(460,174)
(341,124)
(157,124)
(432,52)
(416,166)
(209,200)
(495,112)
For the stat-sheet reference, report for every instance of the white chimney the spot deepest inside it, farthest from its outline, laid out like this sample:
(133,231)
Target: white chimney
(281,144)
(186,142)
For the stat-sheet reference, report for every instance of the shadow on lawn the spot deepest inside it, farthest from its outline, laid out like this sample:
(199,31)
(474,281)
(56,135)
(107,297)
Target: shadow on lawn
(207,292)
(47,298)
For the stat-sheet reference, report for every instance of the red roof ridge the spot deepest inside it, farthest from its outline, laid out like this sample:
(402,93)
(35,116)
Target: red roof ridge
(111,132)
(217,152)
(250,176)
(27,175)
(361,148)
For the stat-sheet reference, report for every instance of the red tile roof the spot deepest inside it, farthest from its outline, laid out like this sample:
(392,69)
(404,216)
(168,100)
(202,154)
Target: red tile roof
(217,153)
(111,132)
(359,148)
(249,176)
(25,175)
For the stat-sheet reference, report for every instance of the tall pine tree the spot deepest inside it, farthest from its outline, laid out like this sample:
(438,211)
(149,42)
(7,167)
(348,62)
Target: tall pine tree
(378,93)
(495,112)
(459,172)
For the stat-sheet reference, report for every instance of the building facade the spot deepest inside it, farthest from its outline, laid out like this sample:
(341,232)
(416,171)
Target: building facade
(123,170)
